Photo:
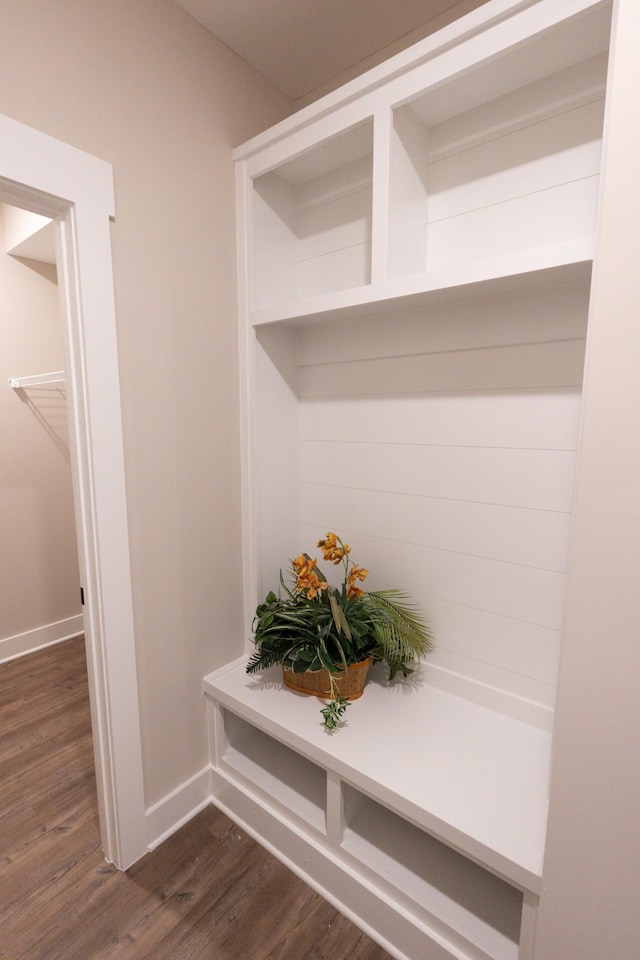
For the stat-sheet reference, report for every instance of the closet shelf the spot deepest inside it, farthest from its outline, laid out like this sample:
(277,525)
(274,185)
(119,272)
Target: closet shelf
(37,380)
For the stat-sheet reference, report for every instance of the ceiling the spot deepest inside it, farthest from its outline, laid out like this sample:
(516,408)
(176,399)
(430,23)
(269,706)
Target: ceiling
(308,47)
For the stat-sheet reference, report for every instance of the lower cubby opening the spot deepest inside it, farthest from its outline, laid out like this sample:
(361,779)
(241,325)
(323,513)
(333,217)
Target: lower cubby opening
(441,887)
(278,773)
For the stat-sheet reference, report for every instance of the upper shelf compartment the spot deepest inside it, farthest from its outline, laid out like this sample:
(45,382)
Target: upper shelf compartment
(475,160)
(476,178)
(312,221)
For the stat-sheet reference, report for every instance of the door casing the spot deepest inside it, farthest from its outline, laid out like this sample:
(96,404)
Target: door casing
(46,176)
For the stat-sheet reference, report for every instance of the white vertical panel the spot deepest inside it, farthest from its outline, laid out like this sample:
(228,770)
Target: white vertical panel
(276,490)
(275,226)
(380,199)
(409,199)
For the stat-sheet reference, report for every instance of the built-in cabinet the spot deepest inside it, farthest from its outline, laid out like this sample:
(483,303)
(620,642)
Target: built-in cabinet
(415,258)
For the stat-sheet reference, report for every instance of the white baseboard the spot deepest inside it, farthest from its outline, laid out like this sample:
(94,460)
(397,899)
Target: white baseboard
(178,807)
(32,640)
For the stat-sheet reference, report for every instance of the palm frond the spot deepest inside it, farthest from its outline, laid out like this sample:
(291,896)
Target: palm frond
(399,628)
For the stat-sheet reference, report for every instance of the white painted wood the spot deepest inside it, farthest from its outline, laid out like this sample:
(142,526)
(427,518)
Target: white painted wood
(276,490)
(550,109)
(584,35)
(436,407)
(32,640)
(514,165)
(556,214)
(552,95)
(53,179)
(284,776)
(528,928)
(274,276)
(547,315)
(347,266)
(380,196)
(437,879)
(527,701)
(528,652)
(523,536)
(523,593)
(312,226)
(216,733)
(335,808)
(532,479)
(530,366)
(490,64)
(519,271)
(328,154)
(408,195)
(594,858)
(178,807)
(531,420)
(493,166)
(486,790)
(247,350)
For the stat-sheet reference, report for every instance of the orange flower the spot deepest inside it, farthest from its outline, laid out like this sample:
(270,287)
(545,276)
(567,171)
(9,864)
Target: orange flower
(307,580)
(356,573)
(331,550)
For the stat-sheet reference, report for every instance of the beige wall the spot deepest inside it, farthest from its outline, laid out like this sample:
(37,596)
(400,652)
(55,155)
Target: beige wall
(589,906)
(146,88)
(39,581)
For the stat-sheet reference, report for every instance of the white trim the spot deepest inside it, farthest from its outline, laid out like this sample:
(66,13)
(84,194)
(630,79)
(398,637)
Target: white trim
(178,807)
(53,179)
(37,639)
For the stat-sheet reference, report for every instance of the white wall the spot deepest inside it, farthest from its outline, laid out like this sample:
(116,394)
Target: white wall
(146,88)
(589,904)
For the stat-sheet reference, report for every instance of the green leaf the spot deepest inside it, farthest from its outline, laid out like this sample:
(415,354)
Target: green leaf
(334,711)
(335,613)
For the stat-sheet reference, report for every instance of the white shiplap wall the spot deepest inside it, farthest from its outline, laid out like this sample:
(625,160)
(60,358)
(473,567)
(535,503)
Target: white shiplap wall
(442,446)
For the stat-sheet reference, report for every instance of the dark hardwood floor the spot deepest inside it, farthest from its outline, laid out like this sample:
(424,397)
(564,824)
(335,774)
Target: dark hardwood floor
(208,893)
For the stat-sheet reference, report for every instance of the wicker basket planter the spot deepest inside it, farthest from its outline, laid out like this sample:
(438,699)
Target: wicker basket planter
(350,682)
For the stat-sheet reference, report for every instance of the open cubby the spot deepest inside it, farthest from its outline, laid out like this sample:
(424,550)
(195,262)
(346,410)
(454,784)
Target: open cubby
(281,774)
(445,888)
(511,175)
(312,221)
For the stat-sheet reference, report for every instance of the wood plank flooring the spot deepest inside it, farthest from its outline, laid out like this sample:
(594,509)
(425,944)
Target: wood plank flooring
(208,893)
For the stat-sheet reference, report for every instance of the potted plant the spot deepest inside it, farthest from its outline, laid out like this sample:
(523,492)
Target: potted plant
(326,637)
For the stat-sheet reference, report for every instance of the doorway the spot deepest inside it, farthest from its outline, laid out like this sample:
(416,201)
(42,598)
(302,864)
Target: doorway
(40,599)
(53,179)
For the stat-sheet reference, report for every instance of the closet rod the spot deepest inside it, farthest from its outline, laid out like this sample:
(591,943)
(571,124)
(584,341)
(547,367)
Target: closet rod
(37,379)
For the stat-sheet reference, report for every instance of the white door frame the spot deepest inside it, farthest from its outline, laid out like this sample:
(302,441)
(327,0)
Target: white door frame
(51,178)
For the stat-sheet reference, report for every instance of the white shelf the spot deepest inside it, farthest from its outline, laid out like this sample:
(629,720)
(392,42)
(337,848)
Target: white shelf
(520,272)
(37,380)
(470,776)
